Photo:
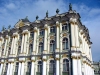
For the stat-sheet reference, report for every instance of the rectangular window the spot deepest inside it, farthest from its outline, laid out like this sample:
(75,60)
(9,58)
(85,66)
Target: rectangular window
(40,47)
(19,49)
(64,27)
(2,51)
(31,48)
(20,37)
(52,29)
(9,51)
(32,34)
(41,32)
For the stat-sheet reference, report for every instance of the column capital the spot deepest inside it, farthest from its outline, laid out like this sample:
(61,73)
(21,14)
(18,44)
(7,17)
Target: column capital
(35,29)
(46,27)
(44,59)
(57,24)
(57,58)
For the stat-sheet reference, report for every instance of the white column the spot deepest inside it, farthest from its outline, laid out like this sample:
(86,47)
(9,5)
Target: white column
(74,67)
(44,68)
(72,34)
(79,67)
(45,38)
(34,42)
(14,45)
(57,67)
(25,38)
(85,69)
(1,67)
(19,69)
(22,45)
(57,36)
(8,70)
(5,47)
(22,68)
(11,69)
(32,68)
(92,71)
(11,52)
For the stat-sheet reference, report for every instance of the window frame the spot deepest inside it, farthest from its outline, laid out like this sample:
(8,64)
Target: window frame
(52,29)
(64,27)
(65,65)
(52,45)
(40,50)
(65,44)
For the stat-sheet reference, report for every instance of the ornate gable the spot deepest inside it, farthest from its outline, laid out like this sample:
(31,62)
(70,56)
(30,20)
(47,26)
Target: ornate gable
(21,23)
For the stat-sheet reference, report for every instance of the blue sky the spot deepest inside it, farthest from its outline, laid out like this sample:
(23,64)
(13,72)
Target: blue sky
(13,10)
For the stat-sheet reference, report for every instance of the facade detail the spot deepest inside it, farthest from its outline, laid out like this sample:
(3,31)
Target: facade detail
(56,45)
(96,68)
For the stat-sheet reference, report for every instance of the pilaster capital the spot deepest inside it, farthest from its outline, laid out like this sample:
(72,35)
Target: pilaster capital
(73,21)
(57,58)
(35,29)
(46,27)
(75,55)
(25,32)
(15,35)
(7,37)
(57,24)
(44,59)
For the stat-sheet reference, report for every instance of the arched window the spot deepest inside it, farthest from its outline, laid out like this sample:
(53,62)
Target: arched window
(65,43)
(30,48)
(52,68)
(40,47)
(65,67)
(39,68)
(52,46)
(28,68)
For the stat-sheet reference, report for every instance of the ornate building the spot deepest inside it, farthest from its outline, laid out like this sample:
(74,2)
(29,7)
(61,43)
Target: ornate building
(56,45)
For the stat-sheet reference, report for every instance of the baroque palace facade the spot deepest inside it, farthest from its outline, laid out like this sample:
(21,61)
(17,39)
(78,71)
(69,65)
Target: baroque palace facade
(56,45)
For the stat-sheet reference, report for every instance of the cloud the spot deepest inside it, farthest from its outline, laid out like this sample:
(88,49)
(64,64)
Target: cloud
(11,6)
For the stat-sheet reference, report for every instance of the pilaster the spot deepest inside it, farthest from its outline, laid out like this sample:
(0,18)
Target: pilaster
(1,68)
(22,44)
(34,41)
(11,52)
(57,36)
(45,37)
(44,67)
(32,68)
(8,70)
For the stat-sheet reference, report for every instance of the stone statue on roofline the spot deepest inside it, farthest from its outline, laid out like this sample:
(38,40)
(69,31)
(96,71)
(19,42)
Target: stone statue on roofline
(70,7)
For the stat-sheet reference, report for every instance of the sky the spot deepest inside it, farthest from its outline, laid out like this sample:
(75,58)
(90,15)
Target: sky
(13,10)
